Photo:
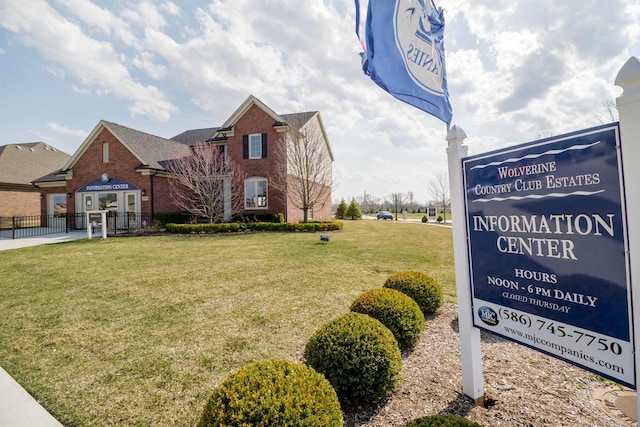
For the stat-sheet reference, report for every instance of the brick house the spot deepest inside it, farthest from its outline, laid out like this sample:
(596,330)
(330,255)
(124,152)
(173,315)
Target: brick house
(19,165)
(124,170)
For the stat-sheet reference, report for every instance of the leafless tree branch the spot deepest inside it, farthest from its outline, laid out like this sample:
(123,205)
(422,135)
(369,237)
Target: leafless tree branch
(307,179)
(207,184)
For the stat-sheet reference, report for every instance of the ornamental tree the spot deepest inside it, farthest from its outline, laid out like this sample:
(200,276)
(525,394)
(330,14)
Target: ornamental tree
(206,183)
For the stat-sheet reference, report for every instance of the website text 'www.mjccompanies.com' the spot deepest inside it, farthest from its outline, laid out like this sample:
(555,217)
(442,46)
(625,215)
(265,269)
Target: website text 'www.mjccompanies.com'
(563,351)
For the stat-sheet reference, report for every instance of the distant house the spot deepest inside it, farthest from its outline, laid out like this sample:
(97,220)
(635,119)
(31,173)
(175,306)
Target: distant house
(125,170)
(20,164)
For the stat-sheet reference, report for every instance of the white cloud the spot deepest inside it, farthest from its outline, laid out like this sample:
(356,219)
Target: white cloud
(144,61)
(67,130)
(146,15)
(516,70)
(100,18)
(171,8)
(94,63)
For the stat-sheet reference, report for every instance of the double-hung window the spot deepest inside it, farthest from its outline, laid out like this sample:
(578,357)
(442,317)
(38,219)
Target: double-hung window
(255,146)
(255,193)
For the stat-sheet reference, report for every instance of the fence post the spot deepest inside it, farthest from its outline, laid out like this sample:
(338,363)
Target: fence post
(470,352)
(628,104)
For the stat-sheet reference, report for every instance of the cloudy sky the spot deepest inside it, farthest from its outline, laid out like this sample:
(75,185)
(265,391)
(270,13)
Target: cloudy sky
(517,71)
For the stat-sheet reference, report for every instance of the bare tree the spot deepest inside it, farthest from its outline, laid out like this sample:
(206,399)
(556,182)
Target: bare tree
(439,189)
(307,178)
(608,112)
(411,201)
(396,200)
(207,184)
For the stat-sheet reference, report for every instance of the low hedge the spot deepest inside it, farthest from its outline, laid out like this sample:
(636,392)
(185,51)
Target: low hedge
(231,227)
(275,393)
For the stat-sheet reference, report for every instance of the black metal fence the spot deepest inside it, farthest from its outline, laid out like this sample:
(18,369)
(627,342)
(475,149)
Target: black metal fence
(16,227)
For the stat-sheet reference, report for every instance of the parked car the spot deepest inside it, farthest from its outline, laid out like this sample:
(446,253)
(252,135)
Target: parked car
(384,215)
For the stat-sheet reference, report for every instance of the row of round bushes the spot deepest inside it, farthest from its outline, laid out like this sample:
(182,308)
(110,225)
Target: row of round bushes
(352,360)
(359,352)
(233,227)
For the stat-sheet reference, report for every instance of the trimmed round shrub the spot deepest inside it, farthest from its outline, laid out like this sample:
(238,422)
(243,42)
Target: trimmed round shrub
(358,355)
(273,393)
(397,311)
(422,288)
(446,420)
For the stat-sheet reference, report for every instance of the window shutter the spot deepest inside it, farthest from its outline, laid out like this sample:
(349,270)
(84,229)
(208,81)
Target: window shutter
(264,145)
(245,146)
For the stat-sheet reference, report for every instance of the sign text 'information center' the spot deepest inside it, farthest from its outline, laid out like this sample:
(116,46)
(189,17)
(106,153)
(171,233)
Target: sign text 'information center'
(547,249)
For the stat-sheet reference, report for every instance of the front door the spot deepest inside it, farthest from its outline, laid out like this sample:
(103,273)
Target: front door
(57,210)
(132,210)
(89,205)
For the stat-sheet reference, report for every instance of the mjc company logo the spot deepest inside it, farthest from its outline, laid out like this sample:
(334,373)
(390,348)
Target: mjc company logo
(488,315)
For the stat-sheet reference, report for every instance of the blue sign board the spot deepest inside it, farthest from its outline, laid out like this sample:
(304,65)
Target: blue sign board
(107,184)
(547,244)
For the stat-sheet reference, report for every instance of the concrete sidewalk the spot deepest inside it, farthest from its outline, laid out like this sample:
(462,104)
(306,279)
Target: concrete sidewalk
(19,409)
(23,242)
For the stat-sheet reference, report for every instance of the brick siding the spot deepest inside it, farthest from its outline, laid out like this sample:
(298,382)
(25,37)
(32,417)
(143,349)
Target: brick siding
(19,203)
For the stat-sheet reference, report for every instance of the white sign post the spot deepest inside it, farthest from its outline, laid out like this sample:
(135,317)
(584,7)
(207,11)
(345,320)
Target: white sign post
(470,352)
(103,221)
(628,104)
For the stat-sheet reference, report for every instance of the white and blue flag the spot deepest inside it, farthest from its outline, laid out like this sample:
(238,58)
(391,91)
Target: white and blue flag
(404,53)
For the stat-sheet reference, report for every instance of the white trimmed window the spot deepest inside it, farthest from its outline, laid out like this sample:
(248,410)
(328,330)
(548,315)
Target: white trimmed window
(255,193)
(255,146)
(222,149)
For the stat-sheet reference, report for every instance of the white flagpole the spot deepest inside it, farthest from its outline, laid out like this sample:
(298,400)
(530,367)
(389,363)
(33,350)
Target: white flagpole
(470,352)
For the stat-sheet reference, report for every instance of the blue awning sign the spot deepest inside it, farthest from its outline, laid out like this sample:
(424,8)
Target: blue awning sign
(110,185)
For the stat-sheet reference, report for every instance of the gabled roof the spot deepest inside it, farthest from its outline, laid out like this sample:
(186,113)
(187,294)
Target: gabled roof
(151,150)
(22,163)
(248,103)
(298,120)
(194,135)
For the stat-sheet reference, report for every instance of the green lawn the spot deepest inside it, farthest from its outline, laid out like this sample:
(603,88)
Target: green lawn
(138,330)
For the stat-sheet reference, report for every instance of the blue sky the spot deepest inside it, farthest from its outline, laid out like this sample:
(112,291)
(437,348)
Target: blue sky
(517,71)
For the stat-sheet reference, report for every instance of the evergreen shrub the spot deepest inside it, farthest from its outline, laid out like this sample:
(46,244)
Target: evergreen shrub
(397,311)
(341,210)
(358,355)
(446,420)
(274,393)
(422,288)
(425,219)
(353,211)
